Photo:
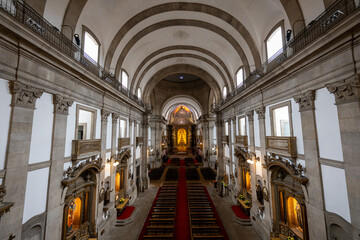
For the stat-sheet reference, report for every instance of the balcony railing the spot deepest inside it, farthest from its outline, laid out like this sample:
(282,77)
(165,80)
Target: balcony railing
(29,18)
(315,29)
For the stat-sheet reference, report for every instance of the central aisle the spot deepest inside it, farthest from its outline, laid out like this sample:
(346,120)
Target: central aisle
(182,223)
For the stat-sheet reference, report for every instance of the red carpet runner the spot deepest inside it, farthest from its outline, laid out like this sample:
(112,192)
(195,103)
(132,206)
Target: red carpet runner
(239,212)
(126,213)
(182,222)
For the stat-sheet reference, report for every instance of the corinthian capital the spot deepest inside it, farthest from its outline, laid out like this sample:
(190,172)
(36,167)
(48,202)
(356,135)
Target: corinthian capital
(260,112)
(305,101)
(62,104)
(346,91)
(24,95)
(250,115)
(104,115)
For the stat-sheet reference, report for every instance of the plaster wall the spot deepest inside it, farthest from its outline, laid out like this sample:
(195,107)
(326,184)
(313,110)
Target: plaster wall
(335,191)
(327,126)
(36,193)
(5,110)
(98,124)
(256,130)
(54,12)
(227,151)
(70,129)
(41,136)
(107,166)
(138,152)
(311,9)
(248,129)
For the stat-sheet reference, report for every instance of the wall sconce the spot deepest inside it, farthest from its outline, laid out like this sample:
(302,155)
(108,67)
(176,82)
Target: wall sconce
(250,161)
(115,164)
(77,39)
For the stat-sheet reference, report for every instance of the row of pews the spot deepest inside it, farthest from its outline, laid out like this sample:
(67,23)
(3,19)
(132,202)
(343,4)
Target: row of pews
(203,222)
(162,221)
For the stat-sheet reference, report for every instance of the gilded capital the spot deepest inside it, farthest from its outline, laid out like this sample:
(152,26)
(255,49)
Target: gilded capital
(346,91)
(62,104)
(24,95)
(306,101)
(260,112)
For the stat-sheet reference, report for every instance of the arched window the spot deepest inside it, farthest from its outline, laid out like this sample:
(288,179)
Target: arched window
(124,79)
(239,77)
(224,92)
(139,93)
(275,40)
(91,46)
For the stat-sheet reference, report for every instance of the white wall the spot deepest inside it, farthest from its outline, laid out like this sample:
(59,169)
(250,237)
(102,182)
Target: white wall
(256,130)
(117,133)
(70,129)
(98,124)
(226,151)
(297,129)
(248,129)
(109,132)
(36,193)
(86,117)
(267,120)
(5,110)
(335,191)
(41,135)
(107,165)
(327,125)
(138,151)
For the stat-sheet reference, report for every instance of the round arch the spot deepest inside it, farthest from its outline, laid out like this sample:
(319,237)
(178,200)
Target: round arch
(188,101)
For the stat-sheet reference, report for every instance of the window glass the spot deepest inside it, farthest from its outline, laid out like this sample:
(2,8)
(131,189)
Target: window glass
(122,128)
(139,93)
(239,77)
(274,43)
(227,129)
(91,47)
(281,121)
(85,125)
(224,92)
(242,126)
(124,79)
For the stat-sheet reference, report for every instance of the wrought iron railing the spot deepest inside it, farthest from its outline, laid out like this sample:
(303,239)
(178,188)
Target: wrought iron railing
(315,29)
(29,18)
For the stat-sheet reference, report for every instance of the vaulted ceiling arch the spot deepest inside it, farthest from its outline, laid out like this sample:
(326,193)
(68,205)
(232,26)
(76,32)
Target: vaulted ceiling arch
(181,68)
(227,82)
(171,104)
(179,47)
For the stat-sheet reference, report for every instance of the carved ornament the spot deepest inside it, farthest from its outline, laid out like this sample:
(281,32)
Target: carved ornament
(139,140)
(115,117)
(123,142)
(250,115)
(82,149)
(260,112)
(285,146)
(72,173)
(294,170)
(62,104)
(346,91)
(241,140)
(4,206)
(123,156)
(24,95)
(306,101)
(104,115)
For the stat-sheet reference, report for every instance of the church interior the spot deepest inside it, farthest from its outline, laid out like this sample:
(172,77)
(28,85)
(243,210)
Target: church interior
(133,119)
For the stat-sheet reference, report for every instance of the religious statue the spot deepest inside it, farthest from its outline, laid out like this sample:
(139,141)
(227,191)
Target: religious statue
(70,220)
(107,194)
(259,193)
(299,215)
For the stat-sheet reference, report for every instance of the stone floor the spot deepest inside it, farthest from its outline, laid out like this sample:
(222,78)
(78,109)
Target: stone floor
(143,204)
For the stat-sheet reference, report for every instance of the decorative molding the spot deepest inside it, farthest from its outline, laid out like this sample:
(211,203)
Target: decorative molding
(104,115)
(346,91)
(123,156)
(295,171)
(305,101)
(123,142)
(241,153)
(225,139)
(115,117)
(37,166)
(139,140)
(260,112)
(285,146)
(4,206)
(250,115)
(72,173)
(24,95)
(241,140)
(62,104)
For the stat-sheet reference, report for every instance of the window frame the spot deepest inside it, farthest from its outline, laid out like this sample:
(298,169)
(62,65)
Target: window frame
(86,29)
(224,95)
(93,124)
(126,127)
(271,110)
(282,26)
(137,93)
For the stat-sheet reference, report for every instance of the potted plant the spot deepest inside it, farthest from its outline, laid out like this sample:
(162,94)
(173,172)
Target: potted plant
(290,238)
(122,200)
(247,203)
(241,197)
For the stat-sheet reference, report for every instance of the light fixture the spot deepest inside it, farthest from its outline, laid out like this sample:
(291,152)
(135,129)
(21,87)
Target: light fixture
(77,39)
(115,164)
(181,77)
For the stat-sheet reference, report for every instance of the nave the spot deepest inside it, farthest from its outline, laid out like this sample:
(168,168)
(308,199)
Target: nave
(182,204)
